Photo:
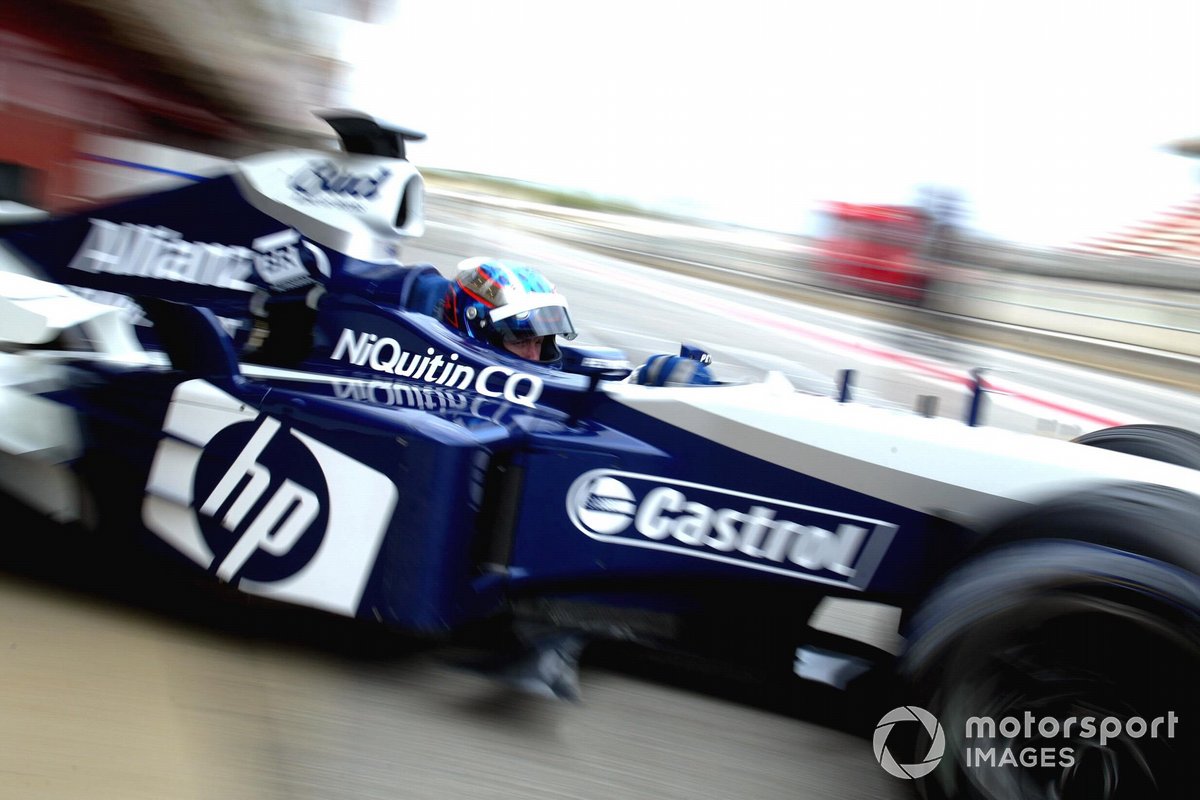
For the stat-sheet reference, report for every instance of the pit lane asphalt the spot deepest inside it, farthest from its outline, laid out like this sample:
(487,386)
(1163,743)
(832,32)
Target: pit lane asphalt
(122,678)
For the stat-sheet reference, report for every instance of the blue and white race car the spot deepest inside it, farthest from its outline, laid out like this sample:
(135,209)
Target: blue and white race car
(299,424)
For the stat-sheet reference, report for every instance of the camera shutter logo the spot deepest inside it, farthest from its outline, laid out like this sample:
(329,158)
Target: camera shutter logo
(937,745)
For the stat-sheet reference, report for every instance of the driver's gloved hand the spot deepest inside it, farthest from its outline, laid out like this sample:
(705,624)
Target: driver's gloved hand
(668,370)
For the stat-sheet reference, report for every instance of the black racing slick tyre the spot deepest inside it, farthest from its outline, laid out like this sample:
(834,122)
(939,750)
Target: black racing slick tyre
(1037,634)
(1157,442)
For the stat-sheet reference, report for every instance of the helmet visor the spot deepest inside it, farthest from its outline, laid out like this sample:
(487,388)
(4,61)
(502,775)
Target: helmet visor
(551,320)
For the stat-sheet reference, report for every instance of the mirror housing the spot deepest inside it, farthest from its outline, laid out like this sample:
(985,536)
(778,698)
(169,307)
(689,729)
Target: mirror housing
(595,361)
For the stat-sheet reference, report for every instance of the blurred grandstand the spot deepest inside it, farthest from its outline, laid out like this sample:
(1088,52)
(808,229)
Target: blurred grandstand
(219,77)
(1173,233)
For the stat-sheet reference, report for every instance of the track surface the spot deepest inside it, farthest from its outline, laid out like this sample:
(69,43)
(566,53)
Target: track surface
(107,694)
(121,681)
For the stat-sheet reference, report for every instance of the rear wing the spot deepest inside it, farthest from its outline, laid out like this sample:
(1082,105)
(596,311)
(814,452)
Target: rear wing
(370,136)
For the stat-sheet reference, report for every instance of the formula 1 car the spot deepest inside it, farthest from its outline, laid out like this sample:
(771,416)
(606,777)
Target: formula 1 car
(297,423)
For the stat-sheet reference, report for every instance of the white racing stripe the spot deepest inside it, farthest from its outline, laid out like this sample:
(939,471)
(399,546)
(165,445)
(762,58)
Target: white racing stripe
(935,466)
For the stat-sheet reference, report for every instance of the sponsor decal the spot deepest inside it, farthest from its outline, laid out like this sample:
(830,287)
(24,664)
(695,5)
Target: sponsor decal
(324,183)
(156,252)
(731,527)
(278,261)
(384,354)
(145,251)
(605,363)
(263,506)
(396,394)
(258,523)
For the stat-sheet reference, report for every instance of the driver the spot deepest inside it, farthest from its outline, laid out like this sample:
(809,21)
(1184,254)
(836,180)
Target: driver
(510,306)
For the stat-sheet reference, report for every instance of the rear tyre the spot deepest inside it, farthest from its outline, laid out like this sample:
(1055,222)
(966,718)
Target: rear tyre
(1059,630)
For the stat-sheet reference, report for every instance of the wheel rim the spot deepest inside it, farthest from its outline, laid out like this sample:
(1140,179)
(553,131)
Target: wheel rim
(1070,655)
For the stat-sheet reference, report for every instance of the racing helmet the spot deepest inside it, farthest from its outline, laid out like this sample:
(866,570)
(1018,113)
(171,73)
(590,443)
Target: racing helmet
(498,301)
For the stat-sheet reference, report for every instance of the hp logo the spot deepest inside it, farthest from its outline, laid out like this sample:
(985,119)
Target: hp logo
(263,505)
(261,523)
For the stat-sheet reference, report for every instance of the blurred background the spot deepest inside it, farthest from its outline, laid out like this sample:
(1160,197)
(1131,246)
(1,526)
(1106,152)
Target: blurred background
(907,190)
(1030,172)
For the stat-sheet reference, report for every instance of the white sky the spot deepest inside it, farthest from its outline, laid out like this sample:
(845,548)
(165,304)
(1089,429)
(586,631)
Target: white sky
(1049,115)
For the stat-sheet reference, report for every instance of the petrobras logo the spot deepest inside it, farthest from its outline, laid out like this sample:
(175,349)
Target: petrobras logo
(737,528)
(385,355)
(263,506)
(145,251)
(323,182)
